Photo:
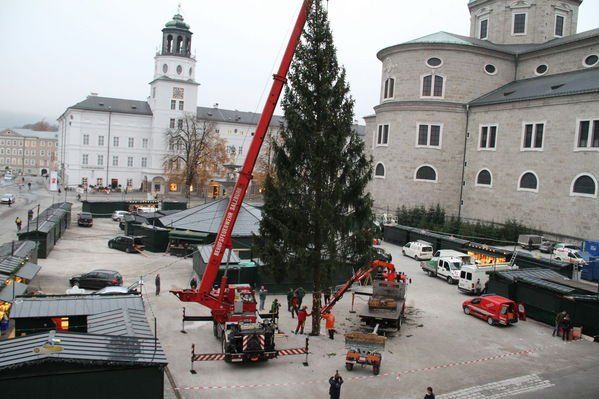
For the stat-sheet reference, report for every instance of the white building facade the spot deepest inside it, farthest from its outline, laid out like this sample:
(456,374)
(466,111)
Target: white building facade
(120,143)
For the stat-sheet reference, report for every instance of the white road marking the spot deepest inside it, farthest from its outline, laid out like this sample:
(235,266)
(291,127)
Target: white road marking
(501,389)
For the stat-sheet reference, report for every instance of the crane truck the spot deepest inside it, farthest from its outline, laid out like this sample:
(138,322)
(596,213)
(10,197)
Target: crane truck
(245,336)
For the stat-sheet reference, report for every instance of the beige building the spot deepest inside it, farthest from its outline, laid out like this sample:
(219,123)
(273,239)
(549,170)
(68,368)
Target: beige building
(29,152)
(502,124)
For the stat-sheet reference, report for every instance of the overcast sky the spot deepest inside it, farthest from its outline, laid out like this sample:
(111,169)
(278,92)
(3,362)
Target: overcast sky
(55,52)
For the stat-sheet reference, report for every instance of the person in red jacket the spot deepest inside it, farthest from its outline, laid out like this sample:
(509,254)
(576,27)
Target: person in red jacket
(302,315)
(294,306)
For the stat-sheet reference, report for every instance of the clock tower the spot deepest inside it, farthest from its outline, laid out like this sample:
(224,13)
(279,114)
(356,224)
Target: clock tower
(173,92)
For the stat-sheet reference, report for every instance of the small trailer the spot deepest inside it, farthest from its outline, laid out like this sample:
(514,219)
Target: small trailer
(364,349)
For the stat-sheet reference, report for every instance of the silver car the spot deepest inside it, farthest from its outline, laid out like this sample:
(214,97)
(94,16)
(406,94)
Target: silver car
(6,198)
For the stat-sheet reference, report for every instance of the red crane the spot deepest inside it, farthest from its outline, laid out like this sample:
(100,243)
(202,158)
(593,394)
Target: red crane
(236,303)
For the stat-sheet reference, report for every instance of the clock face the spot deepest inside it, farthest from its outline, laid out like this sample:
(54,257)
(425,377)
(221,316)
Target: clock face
(178,93)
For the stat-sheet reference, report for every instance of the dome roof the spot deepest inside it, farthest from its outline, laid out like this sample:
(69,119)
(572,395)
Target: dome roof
(177,23)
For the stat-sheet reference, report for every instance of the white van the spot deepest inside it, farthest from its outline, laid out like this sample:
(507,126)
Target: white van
(469,274)
(450,253)
(419,250)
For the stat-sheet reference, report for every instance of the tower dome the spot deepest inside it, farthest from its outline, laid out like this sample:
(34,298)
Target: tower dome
(176,37)
(177,22)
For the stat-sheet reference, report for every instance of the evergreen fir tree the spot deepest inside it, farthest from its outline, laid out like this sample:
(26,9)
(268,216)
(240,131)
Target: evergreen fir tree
(316,213)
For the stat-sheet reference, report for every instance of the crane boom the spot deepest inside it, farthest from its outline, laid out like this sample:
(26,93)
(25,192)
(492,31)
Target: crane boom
(216,300)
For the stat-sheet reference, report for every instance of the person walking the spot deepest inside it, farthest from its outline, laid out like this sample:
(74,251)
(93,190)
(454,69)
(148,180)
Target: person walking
(294,306)
(157,282)
(335,383)
(558,323)
(29,185)
(289,298)
(18,222)
(30,214)
(274,311)
(478,287)
(330,323)
(429,393)
(566,327)
(300,292)
(301,319)
(327,295)
(262,295)
(9,202)
(193,283)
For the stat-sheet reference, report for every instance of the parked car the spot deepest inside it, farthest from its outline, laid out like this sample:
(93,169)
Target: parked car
(547,247)
(85,219)
(381,254)
(117,216)
(128,244)
(132,289)
(6,198)
(419,250)
(97,279)
(561,245)
(530,241)
(146,209)
(494,309)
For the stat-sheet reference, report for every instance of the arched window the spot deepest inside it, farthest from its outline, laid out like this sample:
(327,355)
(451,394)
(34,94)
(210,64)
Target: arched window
(484,178)
(169,44)
(379,170)
(584,185)
(432,86)
(528,182)
(179,44)
(426,173)
(389,90)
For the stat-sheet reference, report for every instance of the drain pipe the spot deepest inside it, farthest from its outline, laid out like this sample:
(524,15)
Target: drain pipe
(464,163)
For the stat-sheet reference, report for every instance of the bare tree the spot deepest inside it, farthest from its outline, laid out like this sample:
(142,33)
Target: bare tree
(195,152)
(41,126)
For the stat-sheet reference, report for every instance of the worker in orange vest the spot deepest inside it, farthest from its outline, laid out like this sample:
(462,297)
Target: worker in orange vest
(330,323)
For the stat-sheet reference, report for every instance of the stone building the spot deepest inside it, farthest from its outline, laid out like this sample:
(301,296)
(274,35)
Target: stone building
(502,124)
(114,142)
(29,152)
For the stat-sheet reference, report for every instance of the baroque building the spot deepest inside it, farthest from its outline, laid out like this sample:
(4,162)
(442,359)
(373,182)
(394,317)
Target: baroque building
(502,124)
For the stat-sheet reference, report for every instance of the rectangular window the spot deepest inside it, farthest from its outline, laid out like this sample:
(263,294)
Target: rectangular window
(144,162)
(172,124)
(86,139)
(429,136)
(26,152)
(484,29)
(42,153)
(100,141)
(129,183)
(131,142)
(559,25)
(144,143)
(42,143)
(488,137)
(240,152)
(427,84)
(100,182)
(32,153)
(115,141)
(115,160)
(180,124)
(432,86)
(519,25)
(84,159)
(383,135)
(181,105)
(389,88)
(100,160)
(173,104)
(588,135)
(533,136)
(129,161)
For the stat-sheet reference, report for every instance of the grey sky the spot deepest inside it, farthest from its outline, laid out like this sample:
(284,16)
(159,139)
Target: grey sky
(54,53)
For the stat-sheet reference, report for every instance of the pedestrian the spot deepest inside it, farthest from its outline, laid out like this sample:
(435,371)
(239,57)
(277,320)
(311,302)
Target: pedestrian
(294,306)
(300,295)
(330,323)
(429,393)
(274,311)
(289,298)
(193,283)
(262,295)
(9,202)
(486,287)
(478,287)
(29,185)
(335,383)
(18,222)
(301,319)
(566,327)
(157,282)
(558,323)
(30,214)
(327,295)
(59,190)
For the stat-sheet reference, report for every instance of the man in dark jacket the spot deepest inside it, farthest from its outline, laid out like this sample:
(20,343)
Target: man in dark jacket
(157,282)
(429,393)
(300,292)
(335,383)
(289,298)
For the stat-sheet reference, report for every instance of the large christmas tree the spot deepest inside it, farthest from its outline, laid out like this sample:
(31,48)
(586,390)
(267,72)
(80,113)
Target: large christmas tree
(316,215)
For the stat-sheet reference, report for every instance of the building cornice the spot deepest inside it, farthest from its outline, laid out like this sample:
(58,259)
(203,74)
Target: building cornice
(405,47)
(444,106)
